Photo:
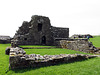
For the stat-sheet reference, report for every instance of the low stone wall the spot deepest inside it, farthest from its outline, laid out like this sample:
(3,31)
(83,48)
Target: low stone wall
(80,45)
(19,59)
(81,36)
(5,41)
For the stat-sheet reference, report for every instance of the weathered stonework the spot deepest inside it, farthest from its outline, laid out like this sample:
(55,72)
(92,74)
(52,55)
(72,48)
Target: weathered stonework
(39,32)
(19,59)
(5,39)
(78,44)
(81,36)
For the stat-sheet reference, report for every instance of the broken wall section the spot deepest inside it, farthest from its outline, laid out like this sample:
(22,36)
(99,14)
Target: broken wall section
(35,32)
(59,32)
(19,59)
(5,39)
(78,44)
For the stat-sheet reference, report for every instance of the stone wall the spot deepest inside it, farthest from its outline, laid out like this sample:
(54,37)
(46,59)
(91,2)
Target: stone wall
(35,32)
(78,44)
(81,36)
(5,39)
(19,59)
(39,32)
(59,32)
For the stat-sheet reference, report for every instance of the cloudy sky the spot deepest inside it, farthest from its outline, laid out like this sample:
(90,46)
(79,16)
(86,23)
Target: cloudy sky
(80,16)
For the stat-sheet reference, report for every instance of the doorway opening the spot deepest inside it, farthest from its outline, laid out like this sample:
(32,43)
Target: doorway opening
(43,42)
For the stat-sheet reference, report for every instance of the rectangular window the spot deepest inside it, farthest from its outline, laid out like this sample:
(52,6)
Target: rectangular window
(39,26)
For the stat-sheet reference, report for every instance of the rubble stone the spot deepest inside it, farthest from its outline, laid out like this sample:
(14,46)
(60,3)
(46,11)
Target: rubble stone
(81,36)
(37,60)
(5,39)
(78,44)
(7,51)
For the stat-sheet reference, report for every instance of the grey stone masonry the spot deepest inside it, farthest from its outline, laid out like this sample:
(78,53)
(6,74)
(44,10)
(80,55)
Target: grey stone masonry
(81,36)
(5,39)
(19,59)
(78,44)
(39,32)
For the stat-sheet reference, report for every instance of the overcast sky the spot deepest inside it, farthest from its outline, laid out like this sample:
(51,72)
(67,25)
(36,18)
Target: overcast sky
(80,16)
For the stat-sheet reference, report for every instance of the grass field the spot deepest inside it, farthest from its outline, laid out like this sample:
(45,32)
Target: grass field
(96,41)
(86,67)
(54,51)
(34,46)
(4,59)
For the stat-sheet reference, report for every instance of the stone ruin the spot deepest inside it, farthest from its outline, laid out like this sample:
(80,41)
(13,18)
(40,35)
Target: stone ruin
(79,44)
(39,32)
(19,59)
(5,39)
(81,36)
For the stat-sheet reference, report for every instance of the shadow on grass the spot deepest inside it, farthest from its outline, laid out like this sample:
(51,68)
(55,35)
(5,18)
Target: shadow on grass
(22,70)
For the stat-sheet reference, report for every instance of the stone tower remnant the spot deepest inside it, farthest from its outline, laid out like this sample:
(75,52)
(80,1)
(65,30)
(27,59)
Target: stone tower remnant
(39,32)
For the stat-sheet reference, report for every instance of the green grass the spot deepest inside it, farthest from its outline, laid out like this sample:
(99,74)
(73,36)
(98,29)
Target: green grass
(95,41)
(54,51)
(4,59)
(86,67)
(34,46)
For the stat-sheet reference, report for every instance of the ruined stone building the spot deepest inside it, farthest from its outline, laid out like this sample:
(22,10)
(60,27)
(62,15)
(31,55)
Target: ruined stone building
(39,32)
(5,39)
(81,36)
